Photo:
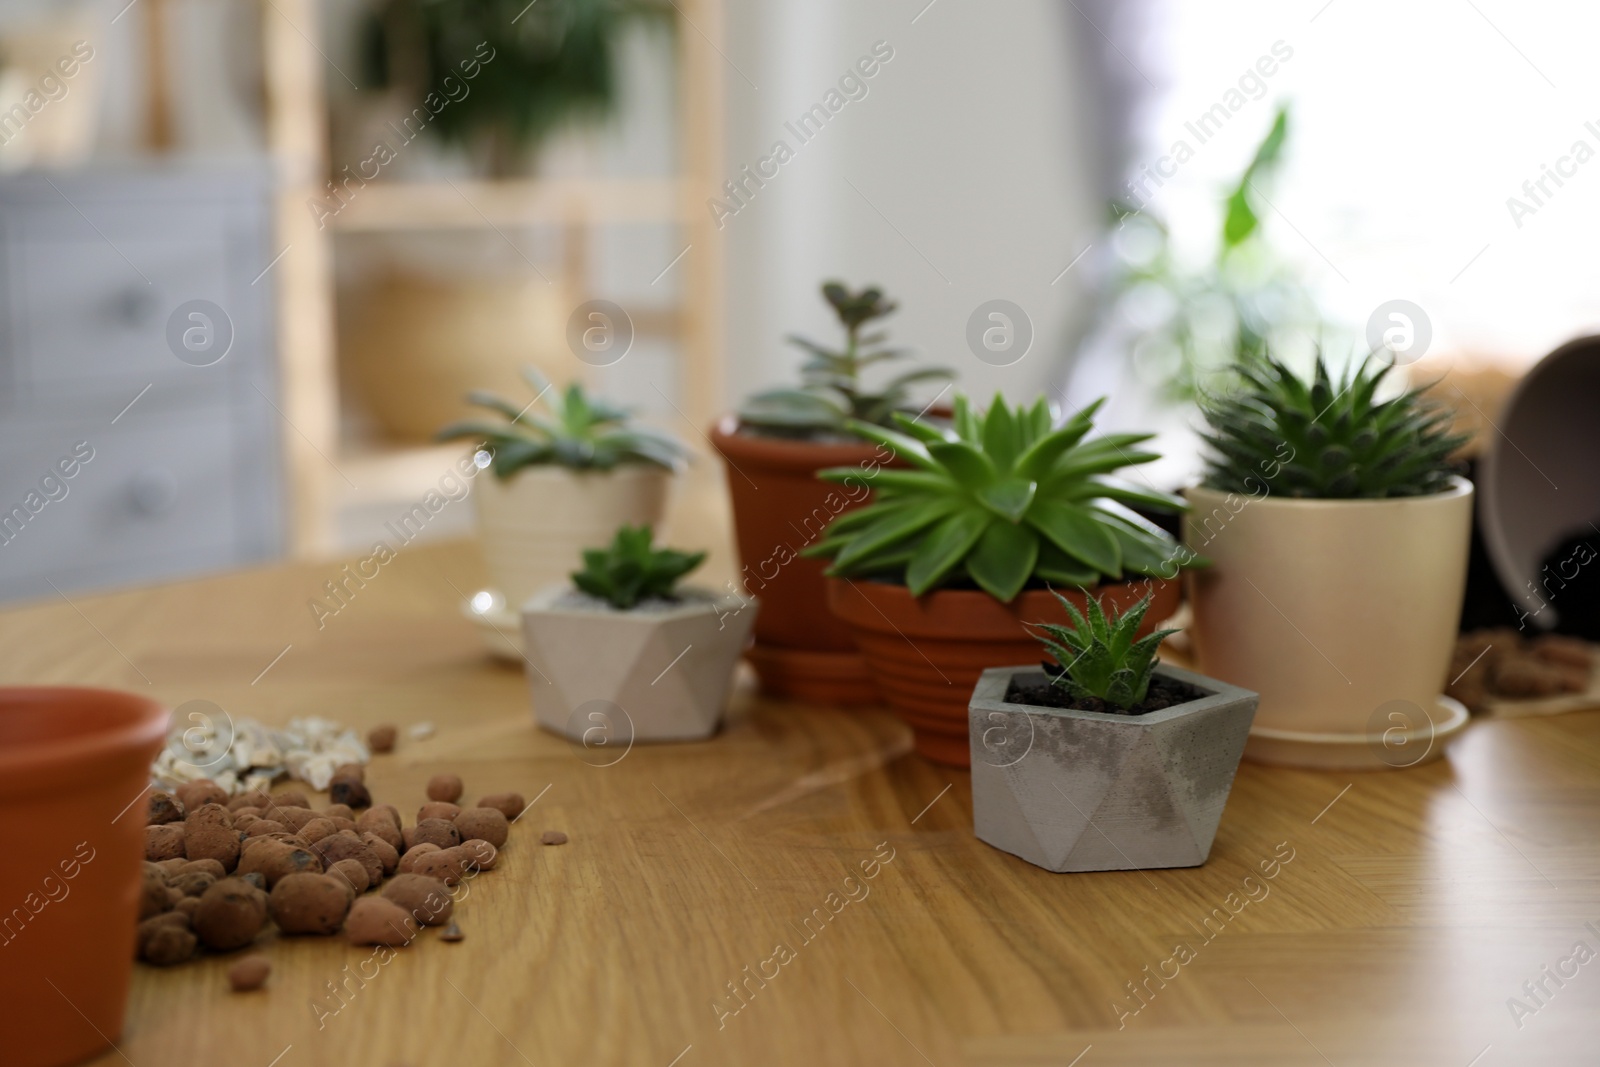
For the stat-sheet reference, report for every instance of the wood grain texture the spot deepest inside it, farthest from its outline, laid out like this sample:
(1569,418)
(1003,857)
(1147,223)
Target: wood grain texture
(1415,903)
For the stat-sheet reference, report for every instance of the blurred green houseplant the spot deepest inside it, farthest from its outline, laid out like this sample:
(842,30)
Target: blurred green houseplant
(553,62)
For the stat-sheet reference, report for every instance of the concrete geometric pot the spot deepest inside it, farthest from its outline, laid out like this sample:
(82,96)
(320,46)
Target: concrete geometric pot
(602,676)
(1087,791)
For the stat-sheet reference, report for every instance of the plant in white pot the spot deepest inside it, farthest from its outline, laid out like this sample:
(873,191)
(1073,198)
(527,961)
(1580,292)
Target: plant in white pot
(1338,531)
(568,470)
(623,652)
(1106,760)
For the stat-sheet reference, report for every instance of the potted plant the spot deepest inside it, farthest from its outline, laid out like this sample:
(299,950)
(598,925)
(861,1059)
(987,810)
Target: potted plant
(564,478)
(1338,530)
(774,448)
(1106,760)
(624,645)
(935,576)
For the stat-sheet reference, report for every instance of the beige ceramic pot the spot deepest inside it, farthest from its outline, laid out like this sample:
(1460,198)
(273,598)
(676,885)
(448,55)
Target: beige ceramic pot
(1341,613)
(535,526)
(411,347)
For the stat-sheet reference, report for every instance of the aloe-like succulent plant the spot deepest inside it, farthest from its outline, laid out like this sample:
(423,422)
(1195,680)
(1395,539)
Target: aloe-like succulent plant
(578,431)
(1003,499)
(631,570)
(1326,438)
(1102,656)
(832,394)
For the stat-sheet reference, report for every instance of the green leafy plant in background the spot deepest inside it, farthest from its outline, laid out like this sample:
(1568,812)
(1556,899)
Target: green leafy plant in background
(630,570)
(832,394)
(1195,326)
(1102,656)
(539,66)
(1002,499)
(1326,438)
(575,430)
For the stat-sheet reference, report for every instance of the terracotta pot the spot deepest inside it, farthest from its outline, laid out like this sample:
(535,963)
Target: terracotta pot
(927,654)
(73,764)
(535,526)
(1340,613)
(779,507)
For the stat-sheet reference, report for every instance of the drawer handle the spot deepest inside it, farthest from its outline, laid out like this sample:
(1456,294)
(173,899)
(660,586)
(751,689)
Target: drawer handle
(153,491)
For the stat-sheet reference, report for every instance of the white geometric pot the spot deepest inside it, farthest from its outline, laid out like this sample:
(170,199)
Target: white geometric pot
(606,677)
(1342,614)
(535,526)
(1090,791)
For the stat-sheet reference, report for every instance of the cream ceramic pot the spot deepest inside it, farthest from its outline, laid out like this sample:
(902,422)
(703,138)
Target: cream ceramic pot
(1332,610)
(535,526)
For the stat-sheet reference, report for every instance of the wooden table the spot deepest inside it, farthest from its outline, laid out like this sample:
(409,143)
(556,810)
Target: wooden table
(1415,904)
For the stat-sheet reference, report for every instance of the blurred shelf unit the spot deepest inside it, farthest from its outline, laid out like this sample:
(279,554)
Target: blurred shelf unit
(400,206)
(318,458)
(124,460)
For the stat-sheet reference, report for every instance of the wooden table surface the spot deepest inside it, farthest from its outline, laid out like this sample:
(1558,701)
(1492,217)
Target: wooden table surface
(1410,910)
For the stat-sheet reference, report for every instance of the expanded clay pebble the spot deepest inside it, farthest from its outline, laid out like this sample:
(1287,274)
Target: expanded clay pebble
(447,865)
(379,823)
(256,799)
(387,854)
(445,787)
(274,860)
(483,855)
(382,738)
(152,891)
(338,811)
(163,842)
(208,833)
(553,837)
(211,867)
(164,808)
(484,824)
(438,809)
(508,804)
(192,883)
(231,914)
(309,904)
(376,921)
(165,943)
(316,830)
(349,791)
(352,873)
(425,899)
(201,791)
(249,974)
(340,847)
(291,798)
(263,827)
(432,832)
(408,862)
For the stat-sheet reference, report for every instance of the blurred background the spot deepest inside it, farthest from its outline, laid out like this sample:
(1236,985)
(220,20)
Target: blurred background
(253,252)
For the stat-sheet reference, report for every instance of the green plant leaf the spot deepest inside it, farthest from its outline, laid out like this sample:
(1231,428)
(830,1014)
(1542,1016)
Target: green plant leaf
(1003,559)
(1008,499)
(1078,533)
(944,548)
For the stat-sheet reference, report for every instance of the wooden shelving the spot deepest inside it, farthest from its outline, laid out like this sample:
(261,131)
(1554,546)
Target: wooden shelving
(319,464)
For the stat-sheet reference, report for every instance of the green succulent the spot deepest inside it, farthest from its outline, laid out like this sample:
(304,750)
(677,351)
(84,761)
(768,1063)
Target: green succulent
(1326,439)
(1002,499)
(630,570)
(579,431)
(832,395)
(1102,656)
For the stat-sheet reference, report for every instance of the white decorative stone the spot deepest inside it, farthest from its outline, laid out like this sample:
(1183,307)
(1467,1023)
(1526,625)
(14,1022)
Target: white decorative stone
(1090,791)
(667,670)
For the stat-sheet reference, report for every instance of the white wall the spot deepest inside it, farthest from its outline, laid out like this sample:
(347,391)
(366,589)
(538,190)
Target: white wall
(967,161)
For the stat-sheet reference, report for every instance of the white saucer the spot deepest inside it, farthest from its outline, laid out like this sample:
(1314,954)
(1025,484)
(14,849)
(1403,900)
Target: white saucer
(1394,749)
(500,627)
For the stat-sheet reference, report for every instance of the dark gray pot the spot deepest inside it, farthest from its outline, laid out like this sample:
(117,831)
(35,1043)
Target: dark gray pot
(1087,791)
